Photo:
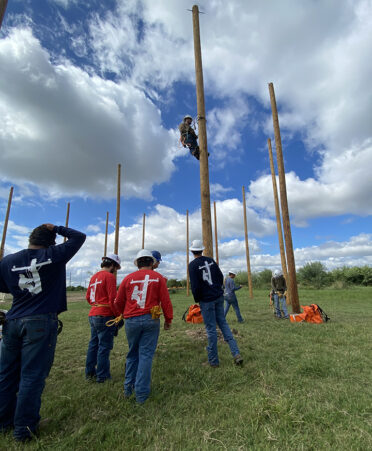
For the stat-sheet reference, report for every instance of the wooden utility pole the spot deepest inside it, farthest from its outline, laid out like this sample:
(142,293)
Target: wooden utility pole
(143,230)
(106,230)
(5,228)
(278,218)
(67,218)
(3,4)
(117,223)
(204,170)
(187,255)
(292,280)
(249,274)
(215,232)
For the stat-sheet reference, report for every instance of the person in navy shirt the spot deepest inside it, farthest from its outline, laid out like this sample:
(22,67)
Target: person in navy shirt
(206,281)
(36,278)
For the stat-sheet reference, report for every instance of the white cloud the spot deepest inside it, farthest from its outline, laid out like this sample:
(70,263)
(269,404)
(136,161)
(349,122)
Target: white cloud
(216,189)
(65,131)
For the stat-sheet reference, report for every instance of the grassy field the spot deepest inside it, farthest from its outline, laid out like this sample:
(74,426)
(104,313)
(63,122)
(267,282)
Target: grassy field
(302,386)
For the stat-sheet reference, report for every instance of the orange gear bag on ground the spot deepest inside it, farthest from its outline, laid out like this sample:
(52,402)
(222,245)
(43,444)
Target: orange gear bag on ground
(311,314)
(193,314)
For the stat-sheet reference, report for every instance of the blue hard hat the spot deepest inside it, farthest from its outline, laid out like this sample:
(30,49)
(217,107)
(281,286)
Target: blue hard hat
(157,255)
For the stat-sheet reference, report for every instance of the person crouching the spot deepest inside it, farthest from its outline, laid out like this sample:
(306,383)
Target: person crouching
(139,297)
(101,295)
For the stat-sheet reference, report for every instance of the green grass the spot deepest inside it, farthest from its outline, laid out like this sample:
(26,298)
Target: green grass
(303,386)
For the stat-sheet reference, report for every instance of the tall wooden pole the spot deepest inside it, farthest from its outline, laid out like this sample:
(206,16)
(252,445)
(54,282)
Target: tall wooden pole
(3,4)
(5,228)
(143,230)
(187,255)
(204,170)
(278,219)
(215,232)
(67,219)
(117,223)
(106,230)
(249,274)
(292,280)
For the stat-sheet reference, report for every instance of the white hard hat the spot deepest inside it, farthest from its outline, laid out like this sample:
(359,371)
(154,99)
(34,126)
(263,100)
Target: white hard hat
(278,273)
(144,253)
(232,272)
(114,258)
(187,117)
(196,245)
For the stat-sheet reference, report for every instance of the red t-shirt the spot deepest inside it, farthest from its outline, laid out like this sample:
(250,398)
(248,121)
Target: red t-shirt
(102,291)
(140,291)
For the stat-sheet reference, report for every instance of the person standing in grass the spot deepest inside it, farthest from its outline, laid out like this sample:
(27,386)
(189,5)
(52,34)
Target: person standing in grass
(139,298)
(230,296)
(101,295)
(279,288)
(36,278)
(206,281)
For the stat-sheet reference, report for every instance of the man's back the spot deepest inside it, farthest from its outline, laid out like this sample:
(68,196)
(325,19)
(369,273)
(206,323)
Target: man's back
(206,279)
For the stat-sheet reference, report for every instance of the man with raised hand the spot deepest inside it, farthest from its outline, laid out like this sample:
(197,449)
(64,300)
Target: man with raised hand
(36,277)
(101,295)
(230,296)
(206,281)
(139,299)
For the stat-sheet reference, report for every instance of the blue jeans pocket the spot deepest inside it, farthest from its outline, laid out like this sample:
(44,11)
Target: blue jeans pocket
(36,329)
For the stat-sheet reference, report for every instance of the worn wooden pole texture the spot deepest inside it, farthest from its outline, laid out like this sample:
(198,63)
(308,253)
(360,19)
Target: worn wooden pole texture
(292,279)
(3,4)
(67,219)
(278,218)
(143,230)
(117,222)
(249,274)
(215,232)
(5,228)
(106,231)
(204,170)
(187,255)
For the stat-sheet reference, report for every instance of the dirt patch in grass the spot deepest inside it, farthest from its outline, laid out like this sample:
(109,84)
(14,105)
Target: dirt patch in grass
(200,334)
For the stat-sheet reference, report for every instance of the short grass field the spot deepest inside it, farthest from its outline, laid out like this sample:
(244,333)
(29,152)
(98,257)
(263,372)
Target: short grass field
(302,386)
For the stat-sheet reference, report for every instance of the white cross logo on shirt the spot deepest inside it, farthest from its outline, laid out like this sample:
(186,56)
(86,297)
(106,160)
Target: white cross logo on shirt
(93,289)
(206,271)
(140,295)
(31,280)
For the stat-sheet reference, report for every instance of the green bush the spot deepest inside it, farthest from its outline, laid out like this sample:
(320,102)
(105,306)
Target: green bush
(314,275)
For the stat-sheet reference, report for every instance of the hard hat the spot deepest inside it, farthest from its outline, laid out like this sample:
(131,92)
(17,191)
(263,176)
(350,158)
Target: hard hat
(157,255)
(196,245)
(232,272)
(115,258)
(187,117)
(144,253)
(278,273)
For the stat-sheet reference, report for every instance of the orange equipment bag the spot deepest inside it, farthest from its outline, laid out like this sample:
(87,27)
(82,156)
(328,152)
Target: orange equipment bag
(193,314)
(311,314)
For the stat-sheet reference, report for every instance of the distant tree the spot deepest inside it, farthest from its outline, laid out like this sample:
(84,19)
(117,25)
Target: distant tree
(171,283)
(314,274)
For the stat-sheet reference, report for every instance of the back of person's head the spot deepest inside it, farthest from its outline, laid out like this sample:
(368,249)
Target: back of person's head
(144,262)
(42,236)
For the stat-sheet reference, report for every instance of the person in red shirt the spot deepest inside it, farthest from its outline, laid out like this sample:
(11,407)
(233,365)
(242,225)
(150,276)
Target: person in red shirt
(138,298)
(101,295)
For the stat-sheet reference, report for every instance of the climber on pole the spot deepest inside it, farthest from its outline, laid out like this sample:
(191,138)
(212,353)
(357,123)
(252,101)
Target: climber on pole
(188,136)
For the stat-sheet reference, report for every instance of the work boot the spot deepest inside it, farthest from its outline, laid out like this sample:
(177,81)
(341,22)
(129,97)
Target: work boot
(238,360)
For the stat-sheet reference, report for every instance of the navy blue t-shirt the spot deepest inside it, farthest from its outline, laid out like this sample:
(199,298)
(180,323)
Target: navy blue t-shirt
(36,278)
(206,279)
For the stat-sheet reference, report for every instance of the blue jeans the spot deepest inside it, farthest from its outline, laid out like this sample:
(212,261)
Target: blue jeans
(213,315)
(280,304)
(232,300)
(142,335)
(99,348)
(26,357)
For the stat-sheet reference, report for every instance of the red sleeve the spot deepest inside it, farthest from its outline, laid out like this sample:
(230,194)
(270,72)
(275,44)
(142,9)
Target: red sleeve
(111,292)
(87,296)
(165,301)
(120,300)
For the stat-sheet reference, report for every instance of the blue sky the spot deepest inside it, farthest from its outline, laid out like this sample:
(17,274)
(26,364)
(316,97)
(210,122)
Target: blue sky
(84,87)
